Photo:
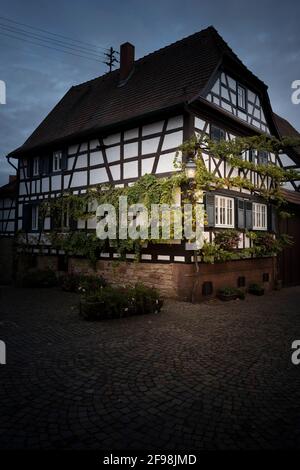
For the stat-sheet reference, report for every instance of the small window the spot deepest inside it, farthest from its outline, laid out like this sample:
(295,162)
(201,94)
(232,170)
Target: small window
(259,216)
(224,212)
(241,97)
(35,167)
(217,134)
(57,158)
(34,217)
(262,158)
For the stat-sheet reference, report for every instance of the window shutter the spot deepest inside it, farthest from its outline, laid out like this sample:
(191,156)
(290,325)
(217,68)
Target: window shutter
(240,213)
(29,167)
(55,218)
(248,215)
(73,223)
(45,164)
(272,218)
(41,166)
(40,222)
(64,160)
(251,156)
(210,209)
(26,218)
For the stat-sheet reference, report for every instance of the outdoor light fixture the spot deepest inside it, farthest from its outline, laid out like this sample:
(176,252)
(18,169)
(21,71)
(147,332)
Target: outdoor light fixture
(190,169)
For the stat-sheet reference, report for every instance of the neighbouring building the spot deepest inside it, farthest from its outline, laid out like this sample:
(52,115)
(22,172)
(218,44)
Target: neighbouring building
(130,122)
(8,200)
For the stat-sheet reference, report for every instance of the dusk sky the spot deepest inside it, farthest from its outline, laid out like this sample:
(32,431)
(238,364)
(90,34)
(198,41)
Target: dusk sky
(264,34)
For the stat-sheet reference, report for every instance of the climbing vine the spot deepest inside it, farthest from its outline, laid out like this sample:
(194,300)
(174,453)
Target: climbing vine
(151,189)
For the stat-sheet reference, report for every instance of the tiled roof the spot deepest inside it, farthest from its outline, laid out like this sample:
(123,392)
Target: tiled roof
(163,79)
(291,196)
(9,189)
(285,128)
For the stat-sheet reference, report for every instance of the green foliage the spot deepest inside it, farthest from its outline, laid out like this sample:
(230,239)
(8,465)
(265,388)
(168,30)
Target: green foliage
(227,239)
(81,283)
(266,244)
(231,292)
(39,278)
(256,289)
(78,243)
(114,302)
(150,189)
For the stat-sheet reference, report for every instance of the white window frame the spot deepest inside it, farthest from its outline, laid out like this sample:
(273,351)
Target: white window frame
(243,96)
(224,212)
(260,216)
(34,217)
(56,161)
(35,167)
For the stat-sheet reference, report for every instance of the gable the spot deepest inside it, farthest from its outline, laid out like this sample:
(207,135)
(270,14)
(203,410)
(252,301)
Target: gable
(224,93)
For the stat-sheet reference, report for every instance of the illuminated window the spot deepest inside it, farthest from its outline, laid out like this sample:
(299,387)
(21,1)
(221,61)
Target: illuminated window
(259,216)
(224,212)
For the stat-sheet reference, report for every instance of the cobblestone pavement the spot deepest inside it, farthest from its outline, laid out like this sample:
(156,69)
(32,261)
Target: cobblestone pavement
(210,376)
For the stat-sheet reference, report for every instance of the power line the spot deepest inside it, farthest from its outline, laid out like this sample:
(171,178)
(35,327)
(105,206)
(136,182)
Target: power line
(53,34)
(49,40)
(49,47)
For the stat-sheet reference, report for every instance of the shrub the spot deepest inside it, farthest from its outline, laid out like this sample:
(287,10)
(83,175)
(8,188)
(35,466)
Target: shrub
(113,302)
(256,289)
(227,239)
(91,283)
(81,283)
(231,293)
(39,278)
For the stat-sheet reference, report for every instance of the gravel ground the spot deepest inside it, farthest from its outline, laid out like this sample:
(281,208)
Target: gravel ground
(210,376)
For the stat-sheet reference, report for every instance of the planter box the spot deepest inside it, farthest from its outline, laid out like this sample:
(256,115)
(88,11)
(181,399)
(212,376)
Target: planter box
(226,298)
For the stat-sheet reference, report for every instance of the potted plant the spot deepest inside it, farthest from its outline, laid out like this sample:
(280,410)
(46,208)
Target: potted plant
(256,289)
(230,293)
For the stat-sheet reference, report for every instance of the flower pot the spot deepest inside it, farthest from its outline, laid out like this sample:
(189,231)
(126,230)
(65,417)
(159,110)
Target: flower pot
(227,297)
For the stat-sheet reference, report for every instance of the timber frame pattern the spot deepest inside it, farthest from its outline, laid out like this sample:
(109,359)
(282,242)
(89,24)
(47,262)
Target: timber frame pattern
(121,152)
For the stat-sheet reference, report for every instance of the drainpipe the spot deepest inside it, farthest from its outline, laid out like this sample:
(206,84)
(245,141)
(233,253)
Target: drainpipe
(11,164)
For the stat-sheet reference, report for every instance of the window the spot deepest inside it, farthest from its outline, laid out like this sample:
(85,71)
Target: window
(241,97)
(262,158)
(34,217)
(224,212)
(259,216)
(57,158)
(217,134)
(35,167)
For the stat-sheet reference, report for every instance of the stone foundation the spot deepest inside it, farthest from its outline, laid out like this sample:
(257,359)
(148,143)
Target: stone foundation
(174,280)
(180,281)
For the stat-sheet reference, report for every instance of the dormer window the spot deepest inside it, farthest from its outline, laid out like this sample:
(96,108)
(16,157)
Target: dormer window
(241,97)
(57,159)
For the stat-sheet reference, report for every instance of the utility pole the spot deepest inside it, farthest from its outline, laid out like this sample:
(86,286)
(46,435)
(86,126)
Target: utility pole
(111,58)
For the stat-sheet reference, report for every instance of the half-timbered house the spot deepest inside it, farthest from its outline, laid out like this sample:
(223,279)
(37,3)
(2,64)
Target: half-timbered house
(130,122)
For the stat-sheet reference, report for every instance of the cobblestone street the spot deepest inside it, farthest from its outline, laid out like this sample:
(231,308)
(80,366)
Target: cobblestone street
(210,376)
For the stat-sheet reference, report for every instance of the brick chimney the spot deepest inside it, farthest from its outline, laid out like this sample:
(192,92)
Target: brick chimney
(126,61)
